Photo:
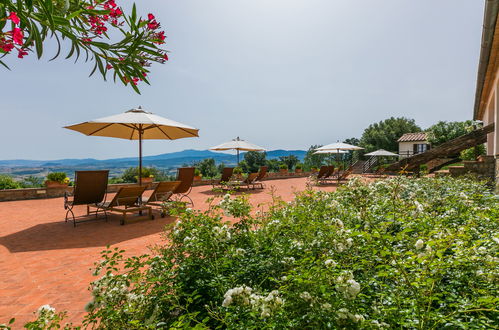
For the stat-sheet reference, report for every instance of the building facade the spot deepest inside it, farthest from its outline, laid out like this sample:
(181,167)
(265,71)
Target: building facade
(412,144)
(486,106)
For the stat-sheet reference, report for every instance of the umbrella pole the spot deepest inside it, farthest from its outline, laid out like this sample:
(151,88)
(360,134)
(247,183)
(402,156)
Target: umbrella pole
(140,155)
(237,157)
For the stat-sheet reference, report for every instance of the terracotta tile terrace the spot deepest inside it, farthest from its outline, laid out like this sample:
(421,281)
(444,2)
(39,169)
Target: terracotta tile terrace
(44,260)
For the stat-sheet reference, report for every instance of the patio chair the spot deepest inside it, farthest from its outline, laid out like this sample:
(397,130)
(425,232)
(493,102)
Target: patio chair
(261,175)
(248,183)
(161,193)
(226,175)
(345,174)
(89,188)
(328,175)
(322,173)
(126,200)
(186,177)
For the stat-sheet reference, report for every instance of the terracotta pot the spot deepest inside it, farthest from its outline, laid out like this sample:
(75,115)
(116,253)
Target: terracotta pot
(147,180)
(283,170)
(55,184)
(197,178)
(298,170)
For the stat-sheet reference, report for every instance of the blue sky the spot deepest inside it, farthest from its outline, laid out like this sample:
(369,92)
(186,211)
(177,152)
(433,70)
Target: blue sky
(283,74)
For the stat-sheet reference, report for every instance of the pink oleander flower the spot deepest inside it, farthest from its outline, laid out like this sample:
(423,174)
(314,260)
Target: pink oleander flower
(17,36)
(14,18)
(22,53)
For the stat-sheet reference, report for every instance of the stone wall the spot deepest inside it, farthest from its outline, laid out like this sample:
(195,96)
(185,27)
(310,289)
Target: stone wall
(40,193)
(497,174)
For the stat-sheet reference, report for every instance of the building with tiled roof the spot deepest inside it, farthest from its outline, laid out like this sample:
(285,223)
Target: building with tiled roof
(413,143)
(413,137)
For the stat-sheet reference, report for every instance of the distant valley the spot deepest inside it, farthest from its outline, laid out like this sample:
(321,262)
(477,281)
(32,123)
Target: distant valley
(168,162)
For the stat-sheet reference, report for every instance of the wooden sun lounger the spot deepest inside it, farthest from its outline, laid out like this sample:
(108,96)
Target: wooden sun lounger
(323,171)
(328,176)
(261,175)
(126,200)
(225,178)
(246,183)
(162,192)
(89,189)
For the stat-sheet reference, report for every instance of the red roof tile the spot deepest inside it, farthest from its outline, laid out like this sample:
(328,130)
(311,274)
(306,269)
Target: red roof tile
(412,137)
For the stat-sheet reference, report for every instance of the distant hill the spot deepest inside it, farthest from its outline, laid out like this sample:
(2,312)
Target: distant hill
(116,165)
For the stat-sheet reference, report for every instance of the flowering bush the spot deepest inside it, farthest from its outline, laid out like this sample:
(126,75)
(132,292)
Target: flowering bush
(401,253)
(123,44)
(58,177)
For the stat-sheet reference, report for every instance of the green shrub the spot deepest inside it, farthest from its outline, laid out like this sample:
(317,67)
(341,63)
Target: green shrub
(32,182)
(197,172)
(237,170)
(131,175)
(472,153)
(7,182)
(283,167)
(58,177)
(299,166)
(399,253)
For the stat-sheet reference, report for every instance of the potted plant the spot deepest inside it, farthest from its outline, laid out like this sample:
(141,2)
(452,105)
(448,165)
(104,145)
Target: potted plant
(283,168)
(57,180)
(298,168)
(197,175)
(237,173)
(147,176)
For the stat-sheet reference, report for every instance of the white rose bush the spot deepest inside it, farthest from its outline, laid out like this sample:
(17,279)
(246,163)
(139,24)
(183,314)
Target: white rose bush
(398,253)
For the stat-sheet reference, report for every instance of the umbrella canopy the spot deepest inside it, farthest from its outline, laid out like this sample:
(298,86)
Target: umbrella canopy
(331,152)
(339,146)
(136,124)
(381,152)
(239,145)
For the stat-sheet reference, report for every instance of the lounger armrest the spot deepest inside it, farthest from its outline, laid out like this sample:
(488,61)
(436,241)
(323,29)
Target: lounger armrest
(66,199)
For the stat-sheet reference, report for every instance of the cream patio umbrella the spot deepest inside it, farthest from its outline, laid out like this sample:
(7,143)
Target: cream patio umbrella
(337,147)
(381,152)
(239,145)
(136,124)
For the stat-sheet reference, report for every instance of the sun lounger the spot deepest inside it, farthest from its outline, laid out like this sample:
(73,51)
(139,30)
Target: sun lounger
(186,177)
(261,175)
(328,176)
(126,200)
(345,174)
(323,171)
(226,175)
(247,183)
(90,188)
(162,192)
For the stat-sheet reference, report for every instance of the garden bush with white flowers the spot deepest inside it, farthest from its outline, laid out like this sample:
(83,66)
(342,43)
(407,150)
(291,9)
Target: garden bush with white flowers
(396,253)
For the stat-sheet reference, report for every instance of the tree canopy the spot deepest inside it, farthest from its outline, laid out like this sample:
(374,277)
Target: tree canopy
(123,45)
(312,159)
(444,131)
(384,134)
(252,161)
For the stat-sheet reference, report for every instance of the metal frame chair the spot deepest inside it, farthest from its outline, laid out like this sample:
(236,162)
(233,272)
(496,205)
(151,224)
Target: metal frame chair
(186,177)
(90,188)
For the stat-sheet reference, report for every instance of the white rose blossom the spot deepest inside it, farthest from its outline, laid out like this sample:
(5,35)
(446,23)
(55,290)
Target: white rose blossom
(419,244)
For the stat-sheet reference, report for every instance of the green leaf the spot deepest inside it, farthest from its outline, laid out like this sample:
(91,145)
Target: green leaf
(38,40)
(5,65)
